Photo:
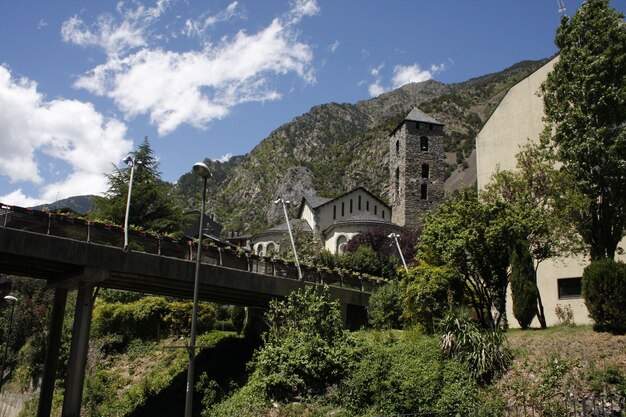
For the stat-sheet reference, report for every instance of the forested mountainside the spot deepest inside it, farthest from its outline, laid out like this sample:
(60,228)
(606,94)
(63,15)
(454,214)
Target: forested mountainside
(336,147)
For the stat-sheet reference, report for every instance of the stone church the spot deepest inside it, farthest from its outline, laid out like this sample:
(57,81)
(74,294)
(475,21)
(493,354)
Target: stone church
(416,185)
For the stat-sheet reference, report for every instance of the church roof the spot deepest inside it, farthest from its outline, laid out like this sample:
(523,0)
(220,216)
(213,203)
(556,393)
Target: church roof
(303,224)
(316,201)
(417,115)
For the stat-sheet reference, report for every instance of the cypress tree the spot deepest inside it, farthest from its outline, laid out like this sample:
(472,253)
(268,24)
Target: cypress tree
(523,287)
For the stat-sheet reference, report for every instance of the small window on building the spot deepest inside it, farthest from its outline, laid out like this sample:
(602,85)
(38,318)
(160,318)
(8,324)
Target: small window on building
(343,209)
(424,191)
(359,203)
(350,206)
(398,181)
(430,127)
(342,241)
(569,288)
(376,209)
(271,248)
(424,143)
(425,171)
(417,125)
(383,214)
(334,212)
(397,147)
(367,205)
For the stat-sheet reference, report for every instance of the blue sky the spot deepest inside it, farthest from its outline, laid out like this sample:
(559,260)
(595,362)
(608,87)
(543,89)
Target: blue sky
(81,83)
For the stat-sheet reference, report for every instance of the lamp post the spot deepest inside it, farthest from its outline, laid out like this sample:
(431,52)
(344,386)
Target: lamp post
(293,245)
(12,300)
(132,162)
(395,237)
(203,171)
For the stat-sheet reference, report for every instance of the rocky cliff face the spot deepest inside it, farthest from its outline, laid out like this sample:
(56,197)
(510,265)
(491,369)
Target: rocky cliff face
(336,147)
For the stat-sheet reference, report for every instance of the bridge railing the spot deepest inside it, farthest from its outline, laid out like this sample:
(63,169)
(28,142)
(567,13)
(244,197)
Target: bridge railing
(61,225)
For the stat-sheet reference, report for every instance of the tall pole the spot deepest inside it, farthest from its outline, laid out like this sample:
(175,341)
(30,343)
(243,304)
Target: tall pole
(395,236)
(293,244)
(12,300)
(132,161)
(202,170)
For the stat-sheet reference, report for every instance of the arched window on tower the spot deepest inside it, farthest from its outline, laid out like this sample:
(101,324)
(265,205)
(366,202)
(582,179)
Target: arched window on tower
(424,143)
(425,171)
(397,147)
(424,191)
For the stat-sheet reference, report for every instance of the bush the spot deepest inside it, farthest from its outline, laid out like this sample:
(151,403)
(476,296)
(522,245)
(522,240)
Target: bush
(385,306)
(238,318)
(429,292)
(523,288)
(485,351)
(306,349)
(604,292)
(396,376)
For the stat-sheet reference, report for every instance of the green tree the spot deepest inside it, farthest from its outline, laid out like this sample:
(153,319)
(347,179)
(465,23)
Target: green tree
(153,203)
(471,237)
(542,201)
(306,349)
(585,107)
(429,292)
(604,292)
(523,284)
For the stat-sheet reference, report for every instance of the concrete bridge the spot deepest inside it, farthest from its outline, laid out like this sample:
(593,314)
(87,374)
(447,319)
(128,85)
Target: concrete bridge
(76,254)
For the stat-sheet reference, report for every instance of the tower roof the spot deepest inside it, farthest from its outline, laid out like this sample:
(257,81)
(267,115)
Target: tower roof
(417,115)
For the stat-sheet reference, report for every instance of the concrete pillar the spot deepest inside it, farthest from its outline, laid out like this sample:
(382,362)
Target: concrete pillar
(344,315)
(52,352)
(78,351)
(255,323)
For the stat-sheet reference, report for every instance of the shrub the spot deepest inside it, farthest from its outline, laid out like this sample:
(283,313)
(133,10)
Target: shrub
(485,351)
(604,292)
(238,318)
(404,375)
(306,349)
(565,314)
(523,288)
(385,306)
(429,292)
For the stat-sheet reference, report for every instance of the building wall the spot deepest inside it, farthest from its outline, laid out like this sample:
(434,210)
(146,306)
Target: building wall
(406,159)
(339,210)
(518,119)
(309,216)
(332,237)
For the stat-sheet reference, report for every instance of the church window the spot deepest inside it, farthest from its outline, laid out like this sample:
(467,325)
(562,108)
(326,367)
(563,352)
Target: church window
(359,203)
(341,244)
(424,143)
(367,205)
(417,125)
(425,171)
(430,127)
(383,214)
(271,248)
(343,206)
(334,212)
(424,191)
(350,206)
(376,210)
(397,147)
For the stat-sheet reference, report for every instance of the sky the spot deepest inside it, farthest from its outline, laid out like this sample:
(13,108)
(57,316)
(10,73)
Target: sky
(82,83)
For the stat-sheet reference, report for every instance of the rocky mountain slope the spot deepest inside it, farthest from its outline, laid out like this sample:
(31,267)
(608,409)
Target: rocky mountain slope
(338,146)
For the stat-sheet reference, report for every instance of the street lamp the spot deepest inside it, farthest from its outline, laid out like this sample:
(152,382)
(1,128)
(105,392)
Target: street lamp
(395,237)
(131,161)
(293,245)
(12,300)
(203,171)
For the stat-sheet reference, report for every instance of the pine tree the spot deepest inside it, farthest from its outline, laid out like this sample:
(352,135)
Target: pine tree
(523,286)
(152,205)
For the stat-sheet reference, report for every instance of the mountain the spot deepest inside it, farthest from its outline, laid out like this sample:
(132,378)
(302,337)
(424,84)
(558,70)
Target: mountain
(79,204)
(338,146)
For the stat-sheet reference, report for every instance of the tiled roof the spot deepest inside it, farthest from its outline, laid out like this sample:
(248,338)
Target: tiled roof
(417,115)
(303,224)
(316,201)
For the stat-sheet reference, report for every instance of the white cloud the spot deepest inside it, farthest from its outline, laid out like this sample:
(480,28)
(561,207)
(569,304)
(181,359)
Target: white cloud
(70,131)
(198,27)
(196,86)
(18,198)
(42,23)
(409,74)
(333,46)
(376,89)
(375,72)
(224,158)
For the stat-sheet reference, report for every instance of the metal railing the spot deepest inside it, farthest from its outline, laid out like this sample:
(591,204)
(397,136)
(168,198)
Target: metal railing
(60,225)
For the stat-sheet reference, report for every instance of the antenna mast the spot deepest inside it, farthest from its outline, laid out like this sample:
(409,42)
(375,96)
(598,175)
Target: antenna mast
(561,7)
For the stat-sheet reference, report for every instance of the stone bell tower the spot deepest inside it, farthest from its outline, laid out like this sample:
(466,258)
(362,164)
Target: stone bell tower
(416,166)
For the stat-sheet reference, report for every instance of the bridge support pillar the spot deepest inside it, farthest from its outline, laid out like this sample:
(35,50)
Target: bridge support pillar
(255,323)
(78,350)
(52,352)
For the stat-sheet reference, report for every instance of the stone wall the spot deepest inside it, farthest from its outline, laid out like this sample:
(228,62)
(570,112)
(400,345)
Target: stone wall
(407,157)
